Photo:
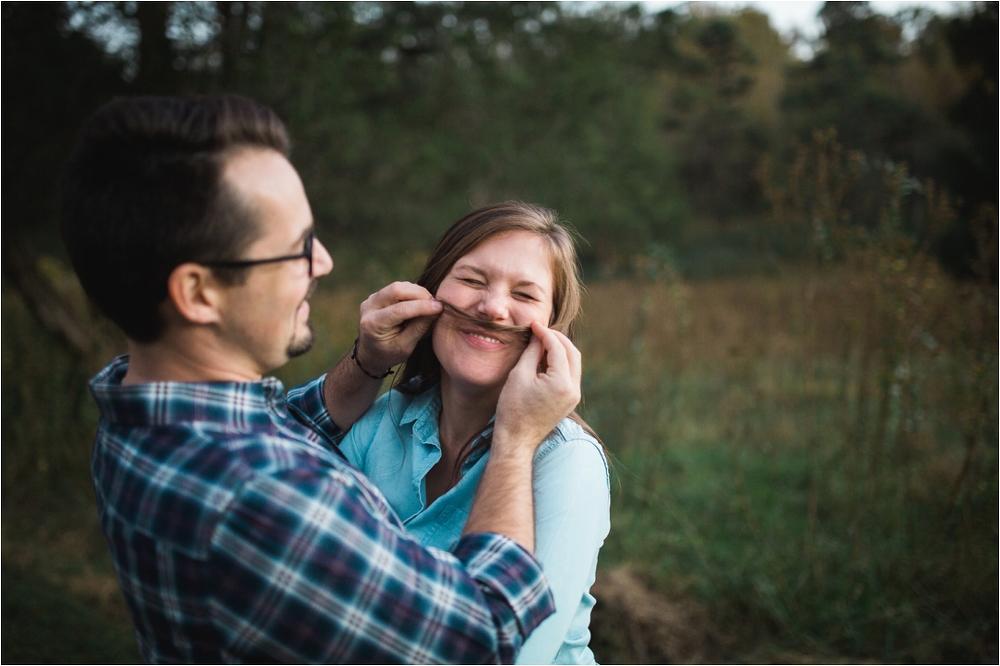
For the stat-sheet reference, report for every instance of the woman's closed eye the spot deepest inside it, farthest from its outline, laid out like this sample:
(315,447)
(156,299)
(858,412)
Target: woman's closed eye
(474,282)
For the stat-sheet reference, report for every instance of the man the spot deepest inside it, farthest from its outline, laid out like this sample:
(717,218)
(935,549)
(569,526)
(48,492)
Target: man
(238,532)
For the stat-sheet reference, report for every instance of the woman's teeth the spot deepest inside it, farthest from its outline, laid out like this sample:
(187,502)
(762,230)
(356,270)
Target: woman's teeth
(486,338)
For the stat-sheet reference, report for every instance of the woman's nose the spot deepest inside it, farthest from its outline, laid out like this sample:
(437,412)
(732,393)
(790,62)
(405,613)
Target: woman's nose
(492,306)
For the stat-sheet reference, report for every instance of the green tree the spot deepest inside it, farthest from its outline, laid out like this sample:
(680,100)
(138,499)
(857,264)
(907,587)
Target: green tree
(850,85)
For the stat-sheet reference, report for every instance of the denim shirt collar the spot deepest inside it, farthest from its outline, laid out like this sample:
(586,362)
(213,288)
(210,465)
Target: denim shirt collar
(423,413)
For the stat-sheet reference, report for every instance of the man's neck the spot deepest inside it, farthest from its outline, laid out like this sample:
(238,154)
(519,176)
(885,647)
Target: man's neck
(185,358)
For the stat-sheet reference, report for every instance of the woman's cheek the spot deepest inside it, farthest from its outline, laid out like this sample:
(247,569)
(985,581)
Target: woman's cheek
(437,343)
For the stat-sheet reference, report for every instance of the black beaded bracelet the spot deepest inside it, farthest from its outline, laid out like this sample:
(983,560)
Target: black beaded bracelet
(354,355)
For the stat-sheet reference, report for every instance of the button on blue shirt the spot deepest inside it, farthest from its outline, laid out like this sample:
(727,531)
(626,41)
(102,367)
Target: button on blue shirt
(396,444)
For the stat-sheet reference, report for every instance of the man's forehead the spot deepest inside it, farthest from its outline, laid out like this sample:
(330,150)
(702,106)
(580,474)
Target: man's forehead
(252,167)
(265,181)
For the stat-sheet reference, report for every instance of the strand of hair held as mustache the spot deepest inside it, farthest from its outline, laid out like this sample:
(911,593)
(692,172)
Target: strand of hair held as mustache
(522,333)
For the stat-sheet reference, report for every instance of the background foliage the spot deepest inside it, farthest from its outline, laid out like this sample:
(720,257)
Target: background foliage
(791,332)
(640,129)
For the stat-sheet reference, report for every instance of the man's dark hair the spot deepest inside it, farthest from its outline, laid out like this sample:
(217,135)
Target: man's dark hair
(143,194)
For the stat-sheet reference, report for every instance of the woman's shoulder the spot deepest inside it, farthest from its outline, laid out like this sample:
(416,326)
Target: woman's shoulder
(572,434)
(571,445)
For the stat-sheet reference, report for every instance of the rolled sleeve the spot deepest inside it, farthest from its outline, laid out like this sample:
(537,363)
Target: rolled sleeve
(513,578)
(309,405)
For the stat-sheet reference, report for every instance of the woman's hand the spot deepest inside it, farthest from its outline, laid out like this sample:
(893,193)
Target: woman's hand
(393,320)
(541,390)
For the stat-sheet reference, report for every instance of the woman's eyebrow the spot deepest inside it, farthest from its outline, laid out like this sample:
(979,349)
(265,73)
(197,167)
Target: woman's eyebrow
(467,267)
(482,273)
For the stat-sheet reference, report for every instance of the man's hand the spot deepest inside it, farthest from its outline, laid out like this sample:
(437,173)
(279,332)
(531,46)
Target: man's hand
(541,390)
(393,320)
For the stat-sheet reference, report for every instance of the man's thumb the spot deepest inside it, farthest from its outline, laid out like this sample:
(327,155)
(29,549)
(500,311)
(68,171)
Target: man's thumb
(531,357)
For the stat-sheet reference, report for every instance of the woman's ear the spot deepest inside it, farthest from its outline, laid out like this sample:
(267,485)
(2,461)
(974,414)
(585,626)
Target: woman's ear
(194,293)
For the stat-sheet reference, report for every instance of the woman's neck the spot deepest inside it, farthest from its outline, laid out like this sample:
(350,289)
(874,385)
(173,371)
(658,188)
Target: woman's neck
(465,412)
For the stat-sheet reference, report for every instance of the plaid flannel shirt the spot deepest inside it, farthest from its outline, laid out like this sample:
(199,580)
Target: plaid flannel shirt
(239,534)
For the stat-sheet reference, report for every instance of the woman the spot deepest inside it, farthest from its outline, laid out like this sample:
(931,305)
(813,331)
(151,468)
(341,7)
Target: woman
(425,443)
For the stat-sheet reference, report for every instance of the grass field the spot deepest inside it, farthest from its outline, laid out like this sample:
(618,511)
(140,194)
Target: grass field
(806,470)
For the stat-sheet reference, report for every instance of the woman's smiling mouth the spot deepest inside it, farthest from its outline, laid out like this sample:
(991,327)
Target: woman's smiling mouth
(482,340)
(487,334)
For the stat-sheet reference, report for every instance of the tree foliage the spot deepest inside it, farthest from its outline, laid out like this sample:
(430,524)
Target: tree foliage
(643,130)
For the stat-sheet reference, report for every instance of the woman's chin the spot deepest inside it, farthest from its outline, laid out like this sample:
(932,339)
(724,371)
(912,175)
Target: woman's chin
(471,368)
(485,380)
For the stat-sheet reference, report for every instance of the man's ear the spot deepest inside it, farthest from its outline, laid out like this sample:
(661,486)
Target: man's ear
(195,293)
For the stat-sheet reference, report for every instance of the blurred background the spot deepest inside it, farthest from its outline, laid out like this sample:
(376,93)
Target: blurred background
(790,247)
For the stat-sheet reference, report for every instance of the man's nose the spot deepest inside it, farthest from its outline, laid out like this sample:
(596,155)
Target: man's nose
(322,262)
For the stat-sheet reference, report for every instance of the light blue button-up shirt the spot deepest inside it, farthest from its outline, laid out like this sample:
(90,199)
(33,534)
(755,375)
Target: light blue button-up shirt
(396,444)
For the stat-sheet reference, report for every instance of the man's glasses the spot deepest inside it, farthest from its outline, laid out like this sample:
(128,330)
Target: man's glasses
(307,253)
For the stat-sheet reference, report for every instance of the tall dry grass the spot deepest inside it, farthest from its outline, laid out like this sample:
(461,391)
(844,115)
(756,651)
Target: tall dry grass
(813,455)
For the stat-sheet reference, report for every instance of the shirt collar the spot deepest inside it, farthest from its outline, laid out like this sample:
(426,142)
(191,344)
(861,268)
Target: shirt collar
(235,404)
(424,407)
(423,412)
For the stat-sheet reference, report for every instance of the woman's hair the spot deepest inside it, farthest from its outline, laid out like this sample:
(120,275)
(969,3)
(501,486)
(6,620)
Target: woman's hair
(423,370)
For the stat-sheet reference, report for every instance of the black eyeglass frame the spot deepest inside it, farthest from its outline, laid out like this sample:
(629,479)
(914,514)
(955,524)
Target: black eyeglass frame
(307,253)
